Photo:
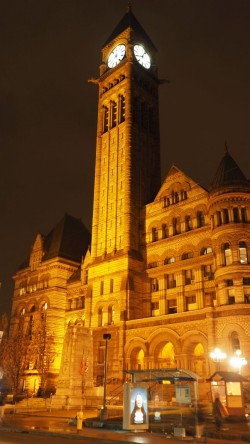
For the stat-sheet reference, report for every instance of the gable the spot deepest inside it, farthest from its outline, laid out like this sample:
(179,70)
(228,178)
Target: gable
(177,186)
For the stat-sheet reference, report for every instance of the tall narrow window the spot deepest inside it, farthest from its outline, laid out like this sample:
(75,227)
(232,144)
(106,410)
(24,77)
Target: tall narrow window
(154,284)
(166,201)
(113,109)
(154,234)
(207,272)
(235,342)
(105,119)
(183,195)
(111,285)
(219,220)
(170,281)
(176,226)
(225,216)
(189,277)
(175,197)
(111,314)
(172,306)
(243,253)
(164,231)
(236,214)
(101,288)
(121,109)
(200,219)
(100,317)
(30,327)
(227,254)
(243,215)
(188,225)
(86,274)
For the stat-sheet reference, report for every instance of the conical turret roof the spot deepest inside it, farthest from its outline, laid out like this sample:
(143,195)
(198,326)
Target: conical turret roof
(228,174)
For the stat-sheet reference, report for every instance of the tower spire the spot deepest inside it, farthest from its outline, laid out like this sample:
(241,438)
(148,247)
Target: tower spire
(129,5)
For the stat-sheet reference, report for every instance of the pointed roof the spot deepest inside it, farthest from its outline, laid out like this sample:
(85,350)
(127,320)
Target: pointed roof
(129,21)
(68,239)
(228,174)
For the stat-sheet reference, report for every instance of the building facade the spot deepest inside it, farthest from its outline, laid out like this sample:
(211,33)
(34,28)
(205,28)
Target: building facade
(167,274)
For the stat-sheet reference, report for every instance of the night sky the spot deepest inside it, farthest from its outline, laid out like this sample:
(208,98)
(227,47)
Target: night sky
(48,51)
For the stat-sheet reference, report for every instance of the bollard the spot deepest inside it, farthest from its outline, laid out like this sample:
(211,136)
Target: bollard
(79,418)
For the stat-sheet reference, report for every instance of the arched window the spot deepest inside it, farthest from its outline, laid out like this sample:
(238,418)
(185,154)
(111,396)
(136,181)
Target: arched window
(154,234)
(45,306)
(100,317)
(101,288)
(111,314)
(243,253)
(164,229)
(228,258)
(169,260)
(176,225)
(187,255)
(188,225)
(218,217)
(166,356)
(206,250)
(235,342)
(200,219)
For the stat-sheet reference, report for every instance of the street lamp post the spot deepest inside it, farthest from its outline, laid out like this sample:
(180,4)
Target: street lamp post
(237,361)
(104,410)
(218,356)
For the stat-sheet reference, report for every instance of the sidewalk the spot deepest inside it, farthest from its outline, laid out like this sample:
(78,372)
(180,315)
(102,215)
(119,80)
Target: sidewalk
(55,423)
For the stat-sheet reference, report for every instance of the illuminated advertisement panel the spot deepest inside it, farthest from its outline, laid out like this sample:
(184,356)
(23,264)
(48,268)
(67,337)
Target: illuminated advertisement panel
(135,415)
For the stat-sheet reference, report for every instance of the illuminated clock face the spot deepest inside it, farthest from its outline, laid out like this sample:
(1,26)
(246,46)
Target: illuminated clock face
(116,56)
(142,56)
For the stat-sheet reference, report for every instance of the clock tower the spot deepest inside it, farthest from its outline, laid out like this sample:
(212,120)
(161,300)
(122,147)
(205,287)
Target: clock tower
(127,174)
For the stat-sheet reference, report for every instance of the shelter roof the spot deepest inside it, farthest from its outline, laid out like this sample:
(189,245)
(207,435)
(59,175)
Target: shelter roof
(163,374)
(227,376)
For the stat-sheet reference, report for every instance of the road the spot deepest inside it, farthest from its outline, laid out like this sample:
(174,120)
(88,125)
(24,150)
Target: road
(53,427)
(20,438)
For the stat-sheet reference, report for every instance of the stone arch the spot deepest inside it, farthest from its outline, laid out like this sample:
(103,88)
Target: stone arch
(231,328)
(21,309)
(32,306)
(42,301)
(195,348)
(153,258)
(204,243)
(136,351)
(79,322)
(187,248)
(164,346)
(171,252)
